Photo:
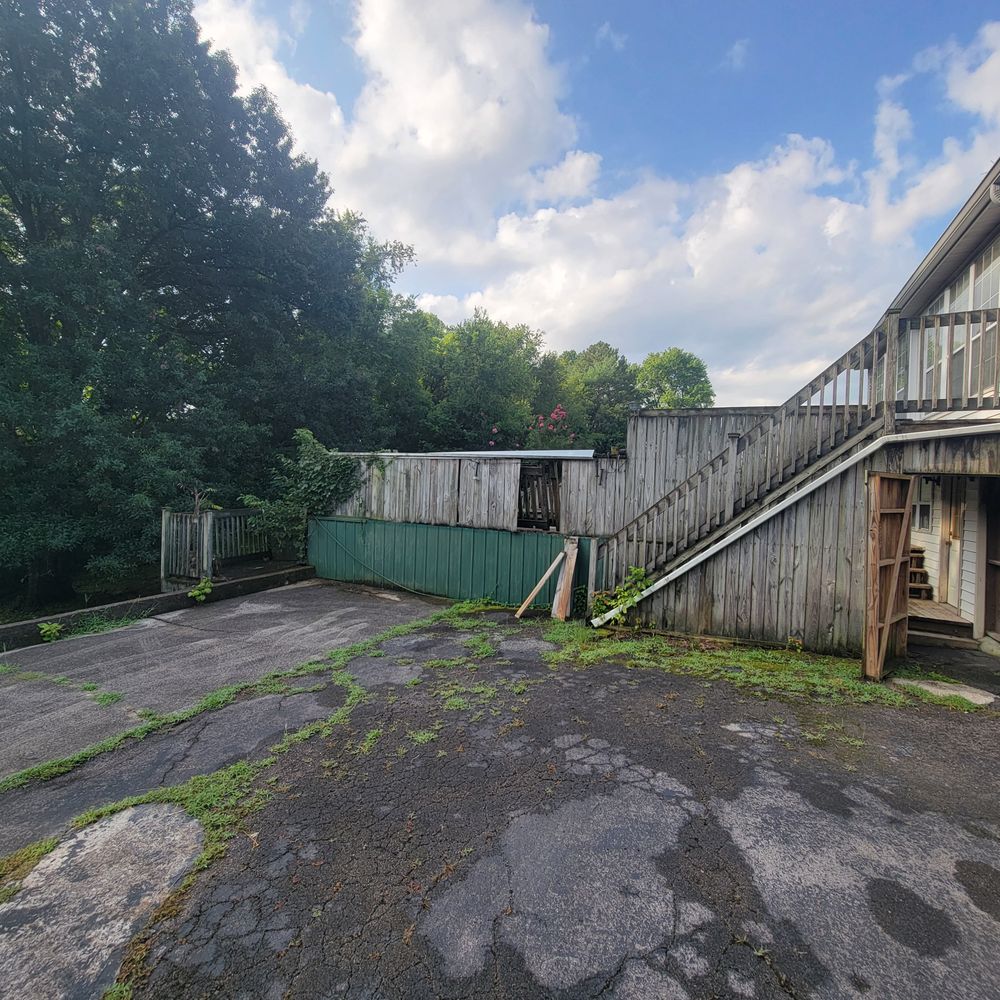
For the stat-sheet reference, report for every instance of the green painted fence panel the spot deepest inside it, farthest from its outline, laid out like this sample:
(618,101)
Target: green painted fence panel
(461,563)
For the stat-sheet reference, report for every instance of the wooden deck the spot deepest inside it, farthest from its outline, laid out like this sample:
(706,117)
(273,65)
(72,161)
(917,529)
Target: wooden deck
(935,611)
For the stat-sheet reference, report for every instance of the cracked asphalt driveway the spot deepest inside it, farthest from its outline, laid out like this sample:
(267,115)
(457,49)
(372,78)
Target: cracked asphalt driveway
(485,823)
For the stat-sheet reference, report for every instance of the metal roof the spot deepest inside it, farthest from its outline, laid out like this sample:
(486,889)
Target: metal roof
(958,244)
(568,454)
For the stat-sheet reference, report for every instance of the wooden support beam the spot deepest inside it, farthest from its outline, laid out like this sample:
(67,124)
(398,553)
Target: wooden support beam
(541,583)
(562,602)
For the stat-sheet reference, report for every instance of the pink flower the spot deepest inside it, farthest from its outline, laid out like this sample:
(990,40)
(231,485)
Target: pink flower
(494,430)
(492,443)
(552,427)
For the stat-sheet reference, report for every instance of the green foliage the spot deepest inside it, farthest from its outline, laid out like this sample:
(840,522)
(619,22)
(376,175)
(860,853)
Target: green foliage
(50,631)
(200,591)
(106,698)
(312,483)
(674,379)
(178,297)
(481,377)
(625,595)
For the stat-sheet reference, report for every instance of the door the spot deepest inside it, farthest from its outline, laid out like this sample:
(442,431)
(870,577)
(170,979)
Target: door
(953,516)
(890,500)
(991,507)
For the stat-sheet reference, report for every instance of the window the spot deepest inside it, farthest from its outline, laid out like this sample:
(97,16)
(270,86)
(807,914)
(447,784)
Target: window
(921,514)
(986,290)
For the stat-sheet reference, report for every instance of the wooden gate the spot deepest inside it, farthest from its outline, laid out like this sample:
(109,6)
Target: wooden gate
(890,501)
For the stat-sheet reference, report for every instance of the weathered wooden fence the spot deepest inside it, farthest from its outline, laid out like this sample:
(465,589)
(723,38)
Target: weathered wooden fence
(193,546)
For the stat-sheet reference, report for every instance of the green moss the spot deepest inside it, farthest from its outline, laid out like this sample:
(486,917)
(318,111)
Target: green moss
(15,867)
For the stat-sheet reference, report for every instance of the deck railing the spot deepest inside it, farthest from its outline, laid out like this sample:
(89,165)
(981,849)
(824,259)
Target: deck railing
(834,411)
(948,362)
(192,546)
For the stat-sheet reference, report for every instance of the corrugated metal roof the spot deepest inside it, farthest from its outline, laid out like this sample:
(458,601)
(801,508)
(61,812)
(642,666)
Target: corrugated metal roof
(567,454)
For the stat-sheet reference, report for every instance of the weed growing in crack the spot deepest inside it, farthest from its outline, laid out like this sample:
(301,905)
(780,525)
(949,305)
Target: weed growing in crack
(106,698)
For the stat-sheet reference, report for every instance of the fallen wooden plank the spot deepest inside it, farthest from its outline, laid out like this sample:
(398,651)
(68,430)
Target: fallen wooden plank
(562,602)
(541,583)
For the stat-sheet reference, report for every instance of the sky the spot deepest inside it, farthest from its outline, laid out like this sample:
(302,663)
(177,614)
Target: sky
(751,181)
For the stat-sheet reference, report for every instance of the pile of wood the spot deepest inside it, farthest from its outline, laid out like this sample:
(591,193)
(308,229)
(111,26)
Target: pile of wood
(562,602)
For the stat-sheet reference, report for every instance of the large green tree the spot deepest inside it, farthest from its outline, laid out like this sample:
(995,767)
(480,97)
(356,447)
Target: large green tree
(175,296)
(482,380)
(674,379)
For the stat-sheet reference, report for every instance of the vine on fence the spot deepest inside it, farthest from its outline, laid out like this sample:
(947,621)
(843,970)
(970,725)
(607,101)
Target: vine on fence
(313,483)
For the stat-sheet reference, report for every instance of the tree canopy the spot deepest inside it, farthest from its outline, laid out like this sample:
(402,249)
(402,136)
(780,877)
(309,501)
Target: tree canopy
(177,297)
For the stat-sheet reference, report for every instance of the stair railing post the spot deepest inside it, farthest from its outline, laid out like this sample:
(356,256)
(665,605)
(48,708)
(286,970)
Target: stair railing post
(889,379)
(734,438)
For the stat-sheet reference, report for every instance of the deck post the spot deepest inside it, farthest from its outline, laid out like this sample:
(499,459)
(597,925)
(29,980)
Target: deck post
(889,378)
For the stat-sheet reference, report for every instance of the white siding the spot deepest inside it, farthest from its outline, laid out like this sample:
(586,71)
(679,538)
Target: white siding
(930,541)
(970,533)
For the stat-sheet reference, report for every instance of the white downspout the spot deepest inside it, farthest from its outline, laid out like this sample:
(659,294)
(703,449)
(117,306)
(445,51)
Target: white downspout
(869,449)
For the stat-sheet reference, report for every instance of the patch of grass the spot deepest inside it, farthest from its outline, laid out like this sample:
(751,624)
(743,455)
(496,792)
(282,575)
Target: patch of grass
(765,672)
(7,668)
(455,661)
(105,698)
(97,622)
(480,646)
(15,867)
(456,702)
(89,686)
(422,736)
(368,743)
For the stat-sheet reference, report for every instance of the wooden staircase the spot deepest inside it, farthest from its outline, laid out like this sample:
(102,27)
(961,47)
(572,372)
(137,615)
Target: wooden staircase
(919,584)
(822,424)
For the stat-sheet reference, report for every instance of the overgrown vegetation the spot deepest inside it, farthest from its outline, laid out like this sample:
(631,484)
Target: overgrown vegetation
(313,483)
(625,596)
(768,672)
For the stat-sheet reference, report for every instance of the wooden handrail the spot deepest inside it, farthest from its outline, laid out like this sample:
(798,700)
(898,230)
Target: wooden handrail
(823,414)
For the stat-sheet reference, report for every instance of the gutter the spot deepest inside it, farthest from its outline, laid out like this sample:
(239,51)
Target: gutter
(756,522)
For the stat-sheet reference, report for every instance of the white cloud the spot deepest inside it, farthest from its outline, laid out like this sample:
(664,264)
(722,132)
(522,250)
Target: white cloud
(459,143)
(736,55)
(606,35)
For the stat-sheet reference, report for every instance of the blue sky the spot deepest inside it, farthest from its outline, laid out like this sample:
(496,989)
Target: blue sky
(749,180)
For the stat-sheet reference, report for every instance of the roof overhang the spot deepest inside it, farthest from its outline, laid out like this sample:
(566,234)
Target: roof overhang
(977,220)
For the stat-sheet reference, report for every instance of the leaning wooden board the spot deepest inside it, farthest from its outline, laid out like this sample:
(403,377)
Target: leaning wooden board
(562,603)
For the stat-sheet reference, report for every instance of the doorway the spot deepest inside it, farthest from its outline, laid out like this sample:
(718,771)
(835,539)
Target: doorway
(991,511)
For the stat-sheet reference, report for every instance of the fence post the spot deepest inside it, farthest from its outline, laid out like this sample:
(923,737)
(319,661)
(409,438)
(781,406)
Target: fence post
(734,438)
(164,546)
(206,527)
(591,574)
